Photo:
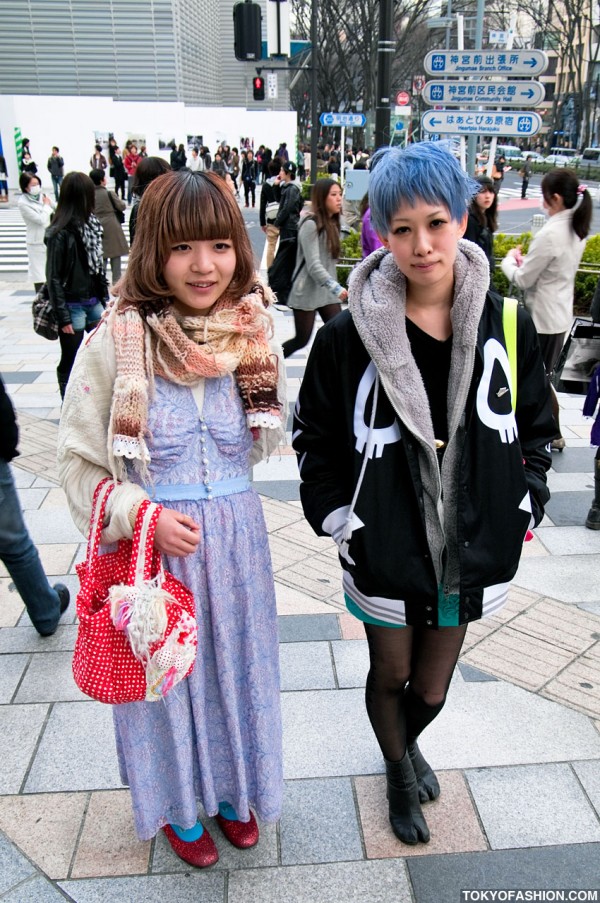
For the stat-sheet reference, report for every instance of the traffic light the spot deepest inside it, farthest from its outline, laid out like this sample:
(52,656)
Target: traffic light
(247,31)
(258,85)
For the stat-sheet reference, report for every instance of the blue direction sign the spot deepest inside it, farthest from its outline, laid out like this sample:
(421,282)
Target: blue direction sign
(497,94)
(478,122)
(347,120)
(486,62)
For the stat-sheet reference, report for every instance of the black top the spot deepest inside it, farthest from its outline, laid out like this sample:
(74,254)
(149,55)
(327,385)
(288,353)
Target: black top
(482,236)
(432,357)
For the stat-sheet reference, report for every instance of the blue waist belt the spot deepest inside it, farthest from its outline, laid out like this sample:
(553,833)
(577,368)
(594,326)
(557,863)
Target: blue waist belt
(193,491)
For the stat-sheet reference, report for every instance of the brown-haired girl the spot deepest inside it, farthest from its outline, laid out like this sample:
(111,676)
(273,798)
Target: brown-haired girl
(315,286)
(547,272)
(176,393)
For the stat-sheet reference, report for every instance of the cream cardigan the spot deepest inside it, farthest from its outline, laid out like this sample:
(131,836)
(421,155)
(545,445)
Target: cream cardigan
(84,450)
(547,274)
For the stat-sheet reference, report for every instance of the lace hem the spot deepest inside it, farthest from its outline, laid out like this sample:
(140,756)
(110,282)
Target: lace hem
(129,447)
(264,419)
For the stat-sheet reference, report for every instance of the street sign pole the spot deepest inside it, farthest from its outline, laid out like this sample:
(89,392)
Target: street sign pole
(472,143)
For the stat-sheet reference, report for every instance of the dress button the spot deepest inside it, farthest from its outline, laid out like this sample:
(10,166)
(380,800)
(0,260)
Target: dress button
(209,497)
(205,461)
(207,481)
(428,608)
(467,544)
(203,427)
(429,623)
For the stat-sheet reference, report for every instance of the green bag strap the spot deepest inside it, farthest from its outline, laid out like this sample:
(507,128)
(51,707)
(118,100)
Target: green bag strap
(509,324)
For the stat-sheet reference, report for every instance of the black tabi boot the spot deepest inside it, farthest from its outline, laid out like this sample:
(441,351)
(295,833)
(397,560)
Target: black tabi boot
(418,715)
(406,817)
(593,518)
(428,784)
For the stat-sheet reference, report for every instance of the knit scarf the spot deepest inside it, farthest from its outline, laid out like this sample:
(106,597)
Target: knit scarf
(232,339)
(91,234)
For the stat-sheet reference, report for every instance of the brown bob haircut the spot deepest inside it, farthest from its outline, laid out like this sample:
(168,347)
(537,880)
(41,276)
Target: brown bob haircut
(178,207)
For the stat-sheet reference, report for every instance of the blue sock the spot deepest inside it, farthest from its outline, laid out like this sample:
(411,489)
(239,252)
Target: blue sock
(228,812)
(189,834)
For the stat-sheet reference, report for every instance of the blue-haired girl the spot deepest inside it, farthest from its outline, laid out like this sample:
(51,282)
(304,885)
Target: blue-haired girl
(419,454)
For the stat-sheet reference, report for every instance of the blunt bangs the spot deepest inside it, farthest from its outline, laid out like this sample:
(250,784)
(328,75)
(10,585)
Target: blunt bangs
(420,172)
(178,207)
(194,208)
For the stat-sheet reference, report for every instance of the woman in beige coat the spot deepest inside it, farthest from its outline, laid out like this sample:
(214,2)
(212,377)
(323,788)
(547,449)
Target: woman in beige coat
(114,243)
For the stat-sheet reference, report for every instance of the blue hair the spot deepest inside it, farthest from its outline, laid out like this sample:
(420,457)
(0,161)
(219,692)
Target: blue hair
(426,172)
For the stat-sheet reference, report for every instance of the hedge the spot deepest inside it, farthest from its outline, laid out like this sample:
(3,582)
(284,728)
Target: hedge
(585,280)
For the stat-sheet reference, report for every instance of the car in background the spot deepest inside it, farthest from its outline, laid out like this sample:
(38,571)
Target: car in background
(534,157)
(563,156)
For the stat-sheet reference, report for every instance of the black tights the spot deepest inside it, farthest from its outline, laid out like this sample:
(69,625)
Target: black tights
(69,345)
(304,321)
(408,680)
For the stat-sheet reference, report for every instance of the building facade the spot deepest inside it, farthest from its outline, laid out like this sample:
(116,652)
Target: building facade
(131,50)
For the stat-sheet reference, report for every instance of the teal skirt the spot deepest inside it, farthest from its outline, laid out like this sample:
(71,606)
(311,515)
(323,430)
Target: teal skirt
(447,611)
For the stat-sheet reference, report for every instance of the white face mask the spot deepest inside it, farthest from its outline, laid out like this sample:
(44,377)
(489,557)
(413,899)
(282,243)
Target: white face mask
(35,190)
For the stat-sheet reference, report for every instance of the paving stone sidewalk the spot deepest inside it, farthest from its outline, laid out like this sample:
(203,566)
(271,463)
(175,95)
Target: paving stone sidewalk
(517,746)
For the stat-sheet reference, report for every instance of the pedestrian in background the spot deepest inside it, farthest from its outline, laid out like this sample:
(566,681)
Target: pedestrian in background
(400,453)
(249,176)
(131,162)
(110,210)
(270,197)
(483,220)
(547,272)
(178,158)
(75,269)
(149,169)
(118,172)
(3,181)
(315,287)
(498,170)
(45,604)
(98,160)
(36,208)
(28,164)
(194,161)
(525,173)
(56,168)
(369,239)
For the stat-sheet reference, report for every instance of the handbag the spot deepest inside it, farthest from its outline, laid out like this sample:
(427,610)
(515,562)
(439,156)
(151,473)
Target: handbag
(271,211)
(118,213)
(578,359)
(44,318)
(137,636)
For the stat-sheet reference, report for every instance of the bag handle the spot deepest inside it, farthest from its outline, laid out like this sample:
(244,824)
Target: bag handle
(101,495)
(146,561)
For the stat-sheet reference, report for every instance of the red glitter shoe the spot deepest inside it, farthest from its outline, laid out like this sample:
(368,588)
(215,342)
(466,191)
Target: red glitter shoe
(201,852)
(242,834)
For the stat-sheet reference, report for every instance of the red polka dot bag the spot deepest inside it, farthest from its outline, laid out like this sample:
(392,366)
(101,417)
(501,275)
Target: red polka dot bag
(137,635)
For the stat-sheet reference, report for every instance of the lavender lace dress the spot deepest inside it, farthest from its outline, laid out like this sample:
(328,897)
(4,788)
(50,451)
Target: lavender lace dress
(217,735)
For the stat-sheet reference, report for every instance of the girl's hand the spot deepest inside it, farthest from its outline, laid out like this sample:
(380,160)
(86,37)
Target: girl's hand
(176,534)
(343,295)
(68,329)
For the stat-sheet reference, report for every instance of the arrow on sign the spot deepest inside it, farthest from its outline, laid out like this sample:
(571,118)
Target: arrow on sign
(529,62)
(435,122)
(528,93)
